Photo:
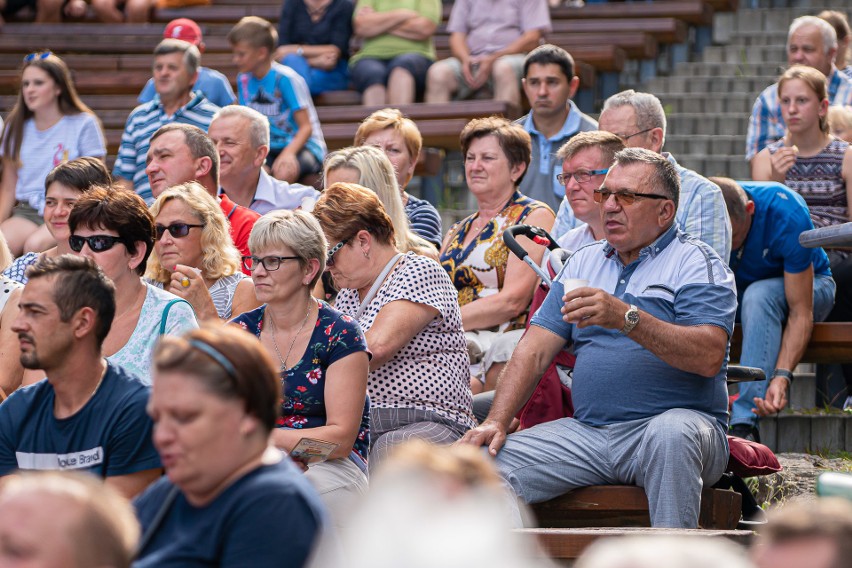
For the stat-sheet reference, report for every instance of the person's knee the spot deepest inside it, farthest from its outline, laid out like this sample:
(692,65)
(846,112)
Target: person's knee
(504,72)
(400,74)
(763,298)
(440,76)
(673,431)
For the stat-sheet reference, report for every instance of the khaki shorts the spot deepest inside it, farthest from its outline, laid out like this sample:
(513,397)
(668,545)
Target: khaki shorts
(24,211)
(465,92)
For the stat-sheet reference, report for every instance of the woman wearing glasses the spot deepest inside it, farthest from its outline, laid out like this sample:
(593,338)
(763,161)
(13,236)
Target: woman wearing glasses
(113,227)
(48,125)
(194,257)
(320,353)
(494,287)
(409,311)
(63,187)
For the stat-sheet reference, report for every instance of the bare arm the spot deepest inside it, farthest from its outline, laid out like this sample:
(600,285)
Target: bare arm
(11,371)
(773,167)
(530,359)
(369,23)
(518,284)
(799,292)
(345,392)
(7,189)
(133,484)
(458,46)
(417,29)
(244,298)
(394,327)
(696,349)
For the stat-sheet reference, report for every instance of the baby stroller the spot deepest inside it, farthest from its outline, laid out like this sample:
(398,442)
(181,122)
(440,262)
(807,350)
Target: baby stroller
(551,398)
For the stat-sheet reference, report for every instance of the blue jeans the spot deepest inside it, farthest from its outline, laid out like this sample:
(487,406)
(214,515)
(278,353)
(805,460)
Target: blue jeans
(319,80)
(671,455)
(763,311)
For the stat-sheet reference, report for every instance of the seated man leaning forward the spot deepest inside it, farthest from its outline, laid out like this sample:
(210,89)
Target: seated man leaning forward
(88,414)
(650,332)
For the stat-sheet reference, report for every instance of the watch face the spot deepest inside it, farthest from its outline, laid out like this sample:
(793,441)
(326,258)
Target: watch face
(633,316)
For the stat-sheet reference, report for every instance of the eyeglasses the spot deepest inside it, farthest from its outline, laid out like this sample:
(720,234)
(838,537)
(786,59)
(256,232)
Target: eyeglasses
(602,195)
(269,263)
(626,137)
(580,176)
(176,230)
(329,260)
(37,55)
(97,243)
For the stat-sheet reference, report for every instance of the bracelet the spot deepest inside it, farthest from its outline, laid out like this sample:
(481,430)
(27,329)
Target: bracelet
(785,374)
(300,51)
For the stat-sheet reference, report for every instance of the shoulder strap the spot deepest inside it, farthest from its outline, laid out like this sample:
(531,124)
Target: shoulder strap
(158,519)
(166,311)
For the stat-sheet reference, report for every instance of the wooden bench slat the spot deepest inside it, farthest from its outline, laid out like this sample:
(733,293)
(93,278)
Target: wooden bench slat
(831,342)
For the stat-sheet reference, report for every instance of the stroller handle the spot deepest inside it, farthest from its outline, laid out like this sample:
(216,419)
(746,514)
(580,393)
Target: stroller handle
(535,234)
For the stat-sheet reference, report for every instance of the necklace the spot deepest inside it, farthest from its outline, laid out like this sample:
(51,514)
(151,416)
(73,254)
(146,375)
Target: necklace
(295,337)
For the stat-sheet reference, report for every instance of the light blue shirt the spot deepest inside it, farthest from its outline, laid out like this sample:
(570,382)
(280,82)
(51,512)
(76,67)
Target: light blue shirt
(676,279)
(272,194)
(213,84)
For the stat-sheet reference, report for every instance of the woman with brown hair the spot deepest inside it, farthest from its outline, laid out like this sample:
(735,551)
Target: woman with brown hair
(408,309)
(494,287)
(48,125)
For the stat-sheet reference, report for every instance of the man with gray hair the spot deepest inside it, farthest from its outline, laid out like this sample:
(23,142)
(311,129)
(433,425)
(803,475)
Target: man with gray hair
(650,323)
(640,121)
(175,72)
(241,136)
(811,41)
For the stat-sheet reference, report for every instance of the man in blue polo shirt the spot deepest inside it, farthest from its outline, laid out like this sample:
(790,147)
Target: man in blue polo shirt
(782,287)
(650,332)
(549,85)
(88,414)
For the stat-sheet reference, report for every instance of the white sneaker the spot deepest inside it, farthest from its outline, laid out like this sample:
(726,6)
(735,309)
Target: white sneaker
(847,406)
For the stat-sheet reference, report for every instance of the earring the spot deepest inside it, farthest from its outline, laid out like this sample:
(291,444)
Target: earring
(366,255)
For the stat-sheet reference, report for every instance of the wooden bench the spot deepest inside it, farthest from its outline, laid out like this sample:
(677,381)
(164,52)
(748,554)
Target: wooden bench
(627,506)
(831,342)
(696,12)
(569,544)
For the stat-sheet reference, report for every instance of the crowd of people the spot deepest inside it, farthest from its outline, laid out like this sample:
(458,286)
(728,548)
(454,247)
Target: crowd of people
(205,311)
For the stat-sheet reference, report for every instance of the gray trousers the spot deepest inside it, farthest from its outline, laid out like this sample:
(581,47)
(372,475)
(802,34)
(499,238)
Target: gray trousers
(671,456)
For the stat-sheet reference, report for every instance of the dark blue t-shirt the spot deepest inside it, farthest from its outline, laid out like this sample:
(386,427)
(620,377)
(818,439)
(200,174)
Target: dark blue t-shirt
(109,436)
(772,245)
(269,517)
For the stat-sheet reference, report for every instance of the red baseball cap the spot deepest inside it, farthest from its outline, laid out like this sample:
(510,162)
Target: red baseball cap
(183,29)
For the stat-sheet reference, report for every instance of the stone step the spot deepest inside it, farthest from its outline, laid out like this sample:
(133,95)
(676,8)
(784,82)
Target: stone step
(704,144)
(709,84)
(731,124)
(729,165)
(812,432)
(709,103)
(761,55)
(773,38)
(741,69)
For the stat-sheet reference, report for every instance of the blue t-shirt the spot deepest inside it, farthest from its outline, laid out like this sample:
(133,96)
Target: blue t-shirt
(213,84)
(275,97)
(335,336)
(772,245)
(269,517)
(109,436)
(677,279)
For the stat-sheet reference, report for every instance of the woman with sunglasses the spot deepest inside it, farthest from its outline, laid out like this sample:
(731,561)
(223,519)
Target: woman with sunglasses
(409,312)
(113,227)
(62,188)
(321,354)
(48,125)
(194,257)
(494,287)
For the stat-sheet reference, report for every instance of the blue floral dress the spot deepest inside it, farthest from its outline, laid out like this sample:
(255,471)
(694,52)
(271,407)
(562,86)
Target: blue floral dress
(303,385)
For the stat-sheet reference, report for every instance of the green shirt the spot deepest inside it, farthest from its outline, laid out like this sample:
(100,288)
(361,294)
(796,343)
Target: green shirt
(388,46)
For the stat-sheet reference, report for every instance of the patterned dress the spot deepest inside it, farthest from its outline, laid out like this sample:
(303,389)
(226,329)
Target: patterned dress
(479,269)
(819,179)
(335,336)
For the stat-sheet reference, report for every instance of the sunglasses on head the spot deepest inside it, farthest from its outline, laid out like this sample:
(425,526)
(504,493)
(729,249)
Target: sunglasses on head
(97,243)
(37,55)
(176,230)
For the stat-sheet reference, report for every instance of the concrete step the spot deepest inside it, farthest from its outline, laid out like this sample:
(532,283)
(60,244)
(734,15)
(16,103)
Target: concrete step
(704,144)
(731,124)
(744,69)
(708,103)
(709,84)
(776,38)
(730,165)
(766,57)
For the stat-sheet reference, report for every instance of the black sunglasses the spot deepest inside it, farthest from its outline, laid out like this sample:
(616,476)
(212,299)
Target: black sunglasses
(97,243)
(329,260)
(269,263)
(176,230)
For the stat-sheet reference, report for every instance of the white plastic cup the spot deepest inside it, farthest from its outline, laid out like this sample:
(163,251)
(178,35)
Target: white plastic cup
(570,284)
